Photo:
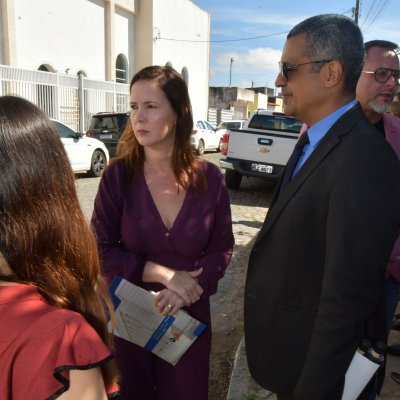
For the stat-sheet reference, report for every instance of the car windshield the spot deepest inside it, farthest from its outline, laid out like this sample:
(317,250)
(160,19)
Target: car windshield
(275,122)
(230,125)
(108,122)
(104,123)
(233,125)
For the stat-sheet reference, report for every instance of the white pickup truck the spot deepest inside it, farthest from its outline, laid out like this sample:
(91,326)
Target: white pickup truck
(262,148)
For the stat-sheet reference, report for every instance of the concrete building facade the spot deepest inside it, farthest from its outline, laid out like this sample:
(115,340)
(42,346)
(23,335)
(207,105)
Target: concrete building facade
(241,102)
(109,39)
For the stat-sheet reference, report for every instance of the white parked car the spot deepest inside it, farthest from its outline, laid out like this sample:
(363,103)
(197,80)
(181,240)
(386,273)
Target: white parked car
(84,153)
(232,124)
(204,137)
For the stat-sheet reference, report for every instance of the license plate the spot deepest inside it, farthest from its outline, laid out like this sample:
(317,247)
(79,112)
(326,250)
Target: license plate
(108,136)
(267,169)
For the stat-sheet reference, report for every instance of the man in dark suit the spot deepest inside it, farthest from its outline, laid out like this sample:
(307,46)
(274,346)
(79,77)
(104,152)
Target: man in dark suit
(316,271)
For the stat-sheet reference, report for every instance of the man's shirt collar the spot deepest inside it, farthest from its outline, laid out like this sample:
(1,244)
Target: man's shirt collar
(319,130)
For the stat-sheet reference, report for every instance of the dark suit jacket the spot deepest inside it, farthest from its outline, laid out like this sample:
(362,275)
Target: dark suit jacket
(316,269)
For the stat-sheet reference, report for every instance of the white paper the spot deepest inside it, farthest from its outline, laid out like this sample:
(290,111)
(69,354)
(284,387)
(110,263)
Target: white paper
(360,371)
(138,320)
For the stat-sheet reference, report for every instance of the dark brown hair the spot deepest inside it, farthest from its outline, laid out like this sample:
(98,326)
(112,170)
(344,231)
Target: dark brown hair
(44,236)
(384,44)
(184,163)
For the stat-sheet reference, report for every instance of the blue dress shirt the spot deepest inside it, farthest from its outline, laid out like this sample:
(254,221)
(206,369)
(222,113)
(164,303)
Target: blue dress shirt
(319,130)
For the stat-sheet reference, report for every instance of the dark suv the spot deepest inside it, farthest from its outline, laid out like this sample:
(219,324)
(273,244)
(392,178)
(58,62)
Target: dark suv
(108,128)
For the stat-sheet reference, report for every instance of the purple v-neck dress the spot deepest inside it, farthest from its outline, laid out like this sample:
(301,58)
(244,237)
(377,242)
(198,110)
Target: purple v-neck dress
(130,231)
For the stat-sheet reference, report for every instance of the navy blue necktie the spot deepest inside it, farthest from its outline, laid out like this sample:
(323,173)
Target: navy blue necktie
(294,159)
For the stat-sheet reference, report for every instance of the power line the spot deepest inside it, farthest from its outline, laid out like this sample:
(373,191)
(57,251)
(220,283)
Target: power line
(159,37)
(221,41)
(375,14)
(370,14)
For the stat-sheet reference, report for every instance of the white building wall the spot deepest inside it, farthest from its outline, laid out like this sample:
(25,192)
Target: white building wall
(245,94)
(181,19)
(1,38)
(262,101)
(62,34)
(124,38)
(70,35)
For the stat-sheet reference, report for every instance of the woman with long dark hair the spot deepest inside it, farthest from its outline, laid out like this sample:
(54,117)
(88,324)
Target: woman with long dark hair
(163,222)
(54,341)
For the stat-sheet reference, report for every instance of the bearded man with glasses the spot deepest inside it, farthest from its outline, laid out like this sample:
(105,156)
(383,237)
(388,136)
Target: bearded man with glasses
(316,271)
(375,91)
(378,82)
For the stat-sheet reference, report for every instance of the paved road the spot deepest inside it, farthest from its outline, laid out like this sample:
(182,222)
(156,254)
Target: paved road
(249,206)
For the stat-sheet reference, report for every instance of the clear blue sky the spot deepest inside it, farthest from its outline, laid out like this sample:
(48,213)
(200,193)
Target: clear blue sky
(257,59)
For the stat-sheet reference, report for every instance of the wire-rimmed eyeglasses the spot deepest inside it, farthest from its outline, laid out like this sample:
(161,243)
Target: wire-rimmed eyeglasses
(285,68)
(382,75)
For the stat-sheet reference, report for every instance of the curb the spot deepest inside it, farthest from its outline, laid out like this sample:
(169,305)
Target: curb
(242,386)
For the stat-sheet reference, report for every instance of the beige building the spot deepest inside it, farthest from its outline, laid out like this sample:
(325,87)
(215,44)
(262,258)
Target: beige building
(241,102)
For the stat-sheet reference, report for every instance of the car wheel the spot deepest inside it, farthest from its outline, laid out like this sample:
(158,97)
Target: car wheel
(232,178)
(98,163)
(200,148)
(219,146)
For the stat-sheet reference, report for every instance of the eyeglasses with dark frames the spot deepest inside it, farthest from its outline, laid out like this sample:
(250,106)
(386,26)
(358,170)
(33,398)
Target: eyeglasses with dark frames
(285,68)
(382,75)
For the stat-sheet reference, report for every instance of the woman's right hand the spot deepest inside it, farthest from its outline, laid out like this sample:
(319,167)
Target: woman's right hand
(184,283)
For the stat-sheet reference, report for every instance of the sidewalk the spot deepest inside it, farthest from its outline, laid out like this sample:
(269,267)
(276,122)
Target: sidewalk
(242,386)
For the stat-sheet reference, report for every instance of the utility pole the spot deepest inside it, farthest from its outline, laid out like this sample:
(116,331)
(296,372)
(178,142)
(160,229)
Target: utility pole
(230,72)
(356,11)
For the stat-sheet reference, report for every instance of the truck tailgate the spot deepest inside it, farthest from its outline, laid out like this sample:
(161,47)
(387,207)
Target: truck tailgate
(274,148)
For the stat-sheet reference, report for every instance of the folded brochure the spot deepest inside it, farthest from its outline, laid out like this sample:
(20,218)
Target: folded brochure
(137,320)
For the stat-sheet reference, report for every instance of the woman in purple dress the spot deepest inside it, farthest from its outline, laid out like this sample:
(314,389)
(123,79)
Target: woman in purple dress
(163,222)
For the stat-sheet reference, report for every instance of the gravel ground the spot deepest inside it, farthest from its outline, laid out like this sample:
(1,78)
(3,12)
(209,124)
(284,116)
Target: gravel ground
(249,205)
